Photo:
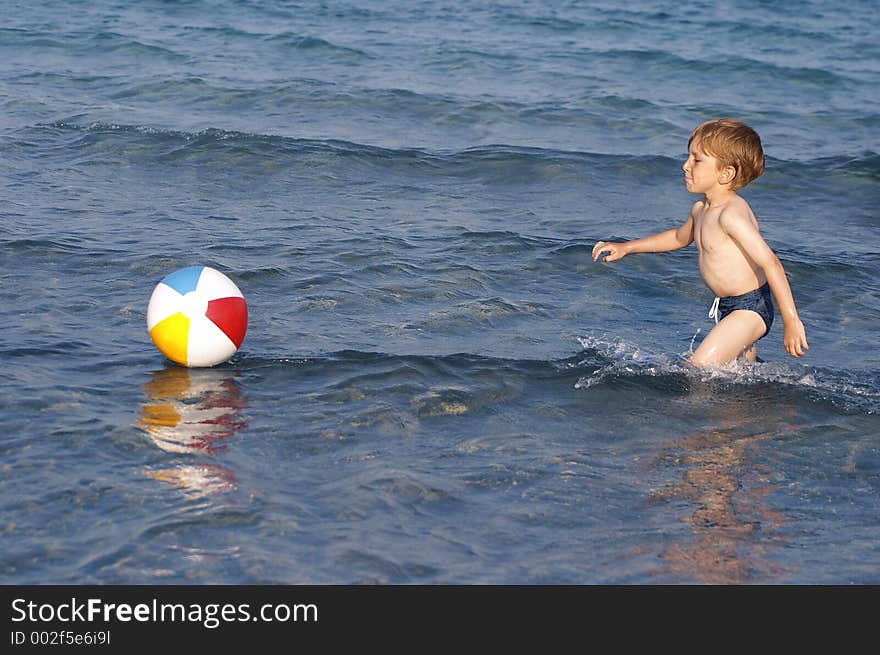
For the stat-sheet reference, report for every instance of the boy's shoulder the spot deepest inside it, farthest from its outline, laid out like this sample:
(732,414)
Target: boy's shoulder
(737,206)
(735,211)
(698,207)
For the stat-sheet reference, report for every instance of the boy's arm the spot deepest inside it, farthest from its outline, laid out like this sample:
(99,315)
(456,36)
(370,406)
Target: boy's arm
(660,242)
(747,237)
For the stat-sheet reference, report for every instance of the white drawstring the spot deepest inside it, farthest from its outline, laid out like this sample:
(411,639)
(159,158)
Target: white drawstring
(713,310)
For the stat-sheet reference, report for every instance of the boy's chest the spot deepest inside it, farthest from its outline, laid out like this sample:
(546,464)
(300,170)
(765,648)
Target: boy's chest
(708,235)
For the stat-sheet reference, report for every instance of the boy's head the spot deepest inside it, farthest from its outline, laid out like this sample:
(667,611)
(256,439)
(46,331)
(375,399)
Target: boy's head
(734,144)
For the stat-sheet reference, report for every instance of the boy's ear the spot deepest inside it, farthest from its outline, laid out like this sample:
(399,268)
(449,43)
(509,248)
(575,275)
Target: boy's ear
(727,175)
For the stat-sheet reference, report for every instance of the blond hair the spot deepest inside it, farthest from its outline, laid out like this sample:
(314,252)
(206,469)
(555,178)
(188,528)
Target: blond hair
(732,143)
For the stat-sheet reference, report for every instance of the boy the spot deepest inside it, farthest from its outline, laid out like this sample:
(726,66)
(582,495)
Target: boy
(735,262)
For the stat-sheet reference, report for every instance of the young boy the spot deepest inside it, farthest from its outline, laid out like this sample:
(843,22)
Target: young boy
(724,155)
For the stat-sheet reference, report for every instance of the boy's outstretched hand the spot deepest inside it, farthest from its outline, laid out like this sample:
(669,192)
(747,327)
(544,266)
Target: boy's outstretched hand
(613,249)
(794,338)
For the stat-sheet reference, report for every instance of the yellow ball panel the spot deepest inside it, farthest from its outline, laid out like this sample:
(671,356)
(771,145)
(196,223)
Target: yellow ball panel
(170,336)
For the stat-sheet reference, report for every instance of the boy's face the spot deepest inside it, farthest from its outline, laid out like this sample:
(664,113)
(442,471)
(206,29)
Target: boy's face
(701,170)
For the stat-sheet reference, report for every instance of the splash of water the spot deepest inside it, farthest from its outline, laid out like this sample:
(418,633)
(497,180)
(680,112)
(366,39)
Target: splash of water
(848,390)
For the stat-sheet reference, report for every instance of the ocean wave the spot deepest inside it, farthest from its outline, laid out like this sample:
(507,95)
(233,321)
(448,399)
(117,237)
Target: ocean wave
(864,164)
(664,62)
(499,163)
(320,46)
(446,383)
(87,43)
(488,162)
(860,272)
(121,45)
(626,364)
(162,89)
(65,245)
(504,242)
(538,16)
(17,37)
(60,348)
(867,162)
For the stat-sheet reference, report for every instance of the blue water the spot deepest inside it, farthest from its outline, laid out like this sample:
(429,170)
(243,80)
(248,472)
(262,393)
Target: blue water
(438,385)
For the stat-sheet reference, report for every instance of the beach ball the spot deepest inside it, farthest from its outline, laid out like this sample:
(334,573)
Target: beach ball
(197,317)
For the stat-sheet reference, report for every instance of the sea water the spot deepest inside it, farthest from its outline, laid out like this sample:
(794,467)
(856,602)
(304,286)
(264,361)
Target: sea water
(438,384)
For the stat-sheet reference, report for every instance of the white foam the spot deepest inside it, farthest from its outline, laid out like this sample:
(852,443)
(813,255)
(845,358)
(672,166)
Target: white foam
(847,389)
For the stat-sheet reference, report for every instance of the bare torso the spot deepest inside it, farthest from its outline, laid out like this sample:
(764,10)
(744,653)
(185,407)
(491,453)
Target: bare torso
(725,268)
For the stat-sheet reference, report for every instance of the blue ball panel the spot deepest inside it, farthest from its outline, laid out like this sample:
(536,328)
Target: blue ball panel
(184,280)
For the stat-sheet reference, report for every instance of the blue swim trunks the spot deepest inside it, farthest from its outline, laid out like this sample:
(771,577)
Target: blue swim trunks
(760,300)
